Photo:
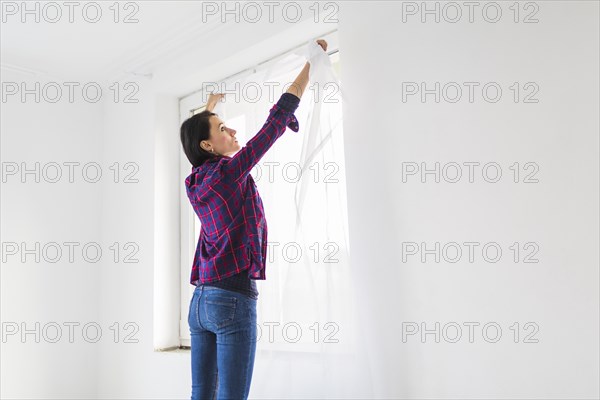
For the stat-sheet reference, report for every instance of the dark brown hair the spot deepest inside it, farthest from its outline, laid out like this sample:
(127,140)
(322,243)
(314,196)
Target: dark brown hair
(193,131)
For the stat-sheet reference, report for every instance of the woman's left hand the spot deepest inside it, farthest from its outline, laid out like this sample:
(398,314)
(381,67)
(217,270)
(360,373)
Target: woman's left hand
(323,44)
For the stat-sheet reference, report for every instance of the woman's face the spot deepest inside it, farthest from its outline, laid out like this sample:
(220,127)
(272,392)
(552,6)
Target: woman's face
(222,139)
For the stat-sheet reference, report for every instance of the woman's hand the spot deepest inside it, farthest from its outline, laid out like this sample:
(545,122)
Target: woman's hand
(213,99)
(323,44)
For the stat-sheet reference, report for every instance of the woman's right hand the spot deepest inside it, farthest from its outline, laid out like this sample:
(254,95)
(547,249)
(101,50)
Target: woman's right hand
(213,99)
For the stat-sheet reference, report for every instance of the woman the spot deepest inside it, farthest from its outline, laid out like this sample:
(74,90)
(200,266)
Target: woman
(232,248)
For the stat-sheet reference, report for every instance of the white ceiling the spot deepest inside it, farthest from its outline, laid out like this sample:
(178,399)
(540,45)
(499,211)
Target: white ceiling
(170,41)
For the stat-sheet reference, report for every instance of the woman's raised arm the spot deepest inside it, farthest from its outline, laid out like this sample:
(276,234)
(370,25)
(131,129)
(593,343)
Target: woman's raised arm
(299,85)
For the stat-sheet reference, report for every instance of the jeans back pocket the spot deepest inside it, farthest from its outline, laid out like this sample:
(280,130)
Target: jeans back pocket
(220,308)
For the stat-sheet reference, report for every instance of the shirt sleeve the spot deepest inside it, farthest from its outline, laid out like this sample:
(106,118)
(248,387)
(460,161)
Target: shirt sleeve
(280,117)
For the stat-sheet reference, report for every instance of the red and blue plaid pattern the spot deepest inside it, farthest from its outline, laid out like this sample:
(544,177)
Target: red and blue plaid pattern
(233,236)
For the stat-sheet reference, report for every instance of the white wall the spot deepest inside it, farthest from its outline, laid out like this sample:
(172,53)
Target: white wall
(45,292)
(560,213)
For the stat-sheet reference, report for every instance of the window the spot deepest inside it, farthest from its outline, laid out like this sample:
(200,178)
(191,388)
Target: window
(302,186)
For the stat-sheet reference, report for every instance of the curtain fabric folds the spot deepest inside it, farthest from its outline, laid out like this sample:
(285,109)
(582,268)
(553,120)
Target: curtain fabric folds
(307,306)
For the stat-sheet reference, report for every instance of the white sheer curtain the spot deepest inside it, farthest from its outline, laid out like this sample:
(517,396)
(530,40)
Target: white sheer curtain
(309,337)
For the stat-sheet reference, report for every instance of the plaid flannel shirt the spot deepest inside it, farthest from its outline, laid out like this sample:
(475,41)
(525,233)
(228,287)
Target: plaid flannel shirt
(233,234)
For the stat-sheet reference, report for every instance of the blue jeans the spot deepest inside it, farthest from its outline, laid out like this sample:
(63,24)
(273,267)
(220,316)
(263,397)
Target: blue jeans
(223,332)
